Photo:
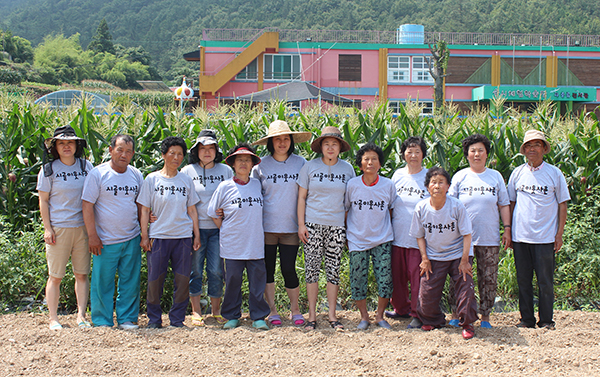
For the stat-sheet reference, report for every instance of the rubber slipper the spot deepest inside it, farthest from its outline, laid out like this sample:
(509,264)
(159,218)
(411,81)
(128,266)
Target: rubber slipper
(310,325)
(454,322)
(231,324)
(415,323)
(220,319)
(197,321)
(261,324)
(486,325)
(84,325)
(55,326)
(384,324)
(336,325)
(274,320)
(298,320)
(363,325)
(392,314)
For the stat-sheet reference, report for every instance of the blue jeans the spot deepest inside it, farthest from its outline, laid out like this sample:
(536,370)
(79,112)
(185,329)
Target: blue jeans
(209,252)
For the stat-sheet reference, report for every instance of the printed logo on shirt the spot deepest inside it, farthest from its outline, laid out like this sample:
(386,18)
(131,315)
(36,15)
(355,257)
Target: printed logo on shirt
(369,204)
(209,178)
(249,200)
(533,189)
(126,190)
(441,227)
(482,190)
(286,177)
(170,190)
(330,177)
(76,175)
(410,191)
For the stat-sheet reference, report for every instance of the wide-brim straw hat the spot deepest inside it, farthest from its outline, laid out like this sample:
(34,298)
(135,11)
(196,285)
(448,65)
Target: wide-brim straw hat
(280,127)
(255,159)
(534,135)
(329,131)
(64,133)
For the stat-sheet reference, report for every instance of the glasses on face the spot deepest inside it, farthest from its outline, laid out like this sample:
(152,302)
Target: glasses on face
(531,145)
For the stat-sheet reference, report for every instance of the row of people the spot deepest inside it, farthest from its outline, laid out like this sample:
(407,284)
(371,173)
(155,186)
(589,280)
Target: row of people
(411,230)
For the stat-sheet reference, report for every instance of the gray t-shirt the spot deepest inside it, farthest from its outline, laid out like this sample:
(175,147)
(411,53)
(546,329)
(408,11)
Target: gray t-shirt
(169,199)
(326,187)
(242,234)
(368,223)
(113,195)
(410,190)
(206,182)
(442,229)
(481,194)
(537,195)
(280,192)
(64,187)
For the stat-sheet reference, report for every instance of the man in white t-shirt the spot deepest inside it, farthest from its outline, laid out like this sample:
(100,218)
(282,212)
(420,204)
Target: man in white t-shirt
(538,196)
(110,214)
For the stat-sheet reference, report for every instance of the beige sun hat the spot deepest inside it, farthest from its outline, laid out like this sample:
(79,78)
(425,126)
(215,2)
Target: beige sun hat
(534,135)
(280,127)
(329,131)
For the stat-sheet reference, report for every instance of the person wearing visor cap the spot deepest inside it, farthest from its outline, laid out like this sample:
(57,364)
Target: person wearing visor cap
(60,184)
(207,172)
(236,207)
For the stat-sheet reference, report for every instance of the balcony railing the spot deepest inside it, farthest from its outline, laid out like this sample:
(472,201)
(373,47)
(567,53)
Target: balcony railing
(393,37)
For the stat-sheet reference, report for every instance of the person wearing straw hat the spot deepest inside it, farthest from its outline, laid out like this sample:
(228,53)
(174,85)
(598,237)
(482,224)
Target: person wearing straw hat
(538,195)
(60,184)
(278,174)
(237,209)
(207,173)
(321,216)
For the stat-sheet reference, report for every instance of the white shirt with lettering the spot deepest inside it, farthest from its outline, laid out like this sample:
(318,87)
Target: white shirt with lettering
(410,190)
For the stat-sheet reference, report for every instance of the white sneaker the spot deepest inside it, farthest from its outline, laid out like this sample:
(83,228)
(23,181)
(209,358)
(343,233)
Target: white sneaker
(128,326)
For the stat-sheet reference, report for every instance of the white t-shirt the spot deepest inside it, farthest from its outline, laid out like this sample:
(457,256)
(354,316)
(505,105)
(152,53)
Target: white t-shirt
(242,234)
(280,192)
(368,223)
(64,187)
(481,194)
(326,187)
(537,195)
(442,229)
(113,195)
(410,190)
(206,182)
(169,199)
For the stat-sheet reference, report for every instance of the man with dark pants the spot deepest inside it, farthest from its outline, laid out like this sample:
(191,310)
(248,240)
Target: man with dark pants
(538,196)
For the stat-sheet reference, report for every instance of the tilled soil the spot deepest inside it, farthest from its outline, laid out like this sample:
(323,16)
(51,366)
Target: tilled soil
(28,347)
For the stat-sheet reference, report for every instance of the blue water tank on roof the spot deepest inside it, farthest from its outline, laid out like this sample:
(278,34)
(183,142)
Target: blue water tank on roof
(411,34)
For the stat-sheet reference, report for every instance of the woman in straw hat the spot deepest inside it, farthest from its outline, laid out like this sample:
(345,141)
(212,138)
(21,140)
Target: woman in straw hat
(321,215)
(60,184)
(278,174)
(207,173)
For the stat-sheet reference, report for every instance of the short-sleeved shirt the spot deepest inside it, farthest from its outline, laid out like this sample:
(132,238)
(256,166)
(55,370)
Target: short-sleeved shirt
(64,188)
(443,229)
(206,182)
(242,234)
(169,199)
(280,192)
(326,186)
(368,223)
(481,193)
(537,195)
(410,190)
(113,195)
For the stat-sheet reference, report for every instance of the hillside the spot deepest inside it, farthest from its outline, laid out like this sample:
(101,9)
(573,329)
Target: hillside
(169,28)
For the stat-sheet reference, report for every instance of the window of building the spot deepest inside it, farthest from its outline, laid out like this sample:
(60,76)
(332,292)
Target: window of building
(426,107)
(250,72)
(350,68)
(420,69)
(398,68)
(282,67)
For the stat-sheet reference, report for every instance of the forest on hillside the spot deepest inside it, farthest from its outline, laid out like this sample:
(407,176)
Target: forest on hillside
(167,29)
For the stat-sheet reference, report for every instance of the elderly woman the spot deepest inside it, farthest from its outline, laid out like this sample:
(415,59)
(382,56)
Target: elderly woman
(278,174)
(242,238)
(321,215)
(410,189)
(483,193)
(369,200)
(60,184)
(207,173)
(172,237)
(443,230)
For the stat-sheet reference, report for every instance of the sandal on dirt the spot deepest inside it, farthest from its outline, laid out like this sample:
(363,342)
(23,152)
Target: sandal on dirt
(336,325)
(197,321)
(274,320)
(84,324)
(298,320)
(310,325)
(220,319)
(55,326)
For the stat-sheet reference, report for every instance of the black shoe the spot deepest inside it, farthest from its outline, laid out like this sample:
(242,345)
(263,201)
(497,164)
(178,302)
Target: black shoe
(179,325)
(154,326)
(549,326)
(525,325)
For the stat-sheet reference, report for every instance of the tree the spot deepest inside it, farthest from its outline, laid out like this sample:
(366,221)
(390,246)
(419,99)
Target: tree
(65,57)
(437,70)
(102,41)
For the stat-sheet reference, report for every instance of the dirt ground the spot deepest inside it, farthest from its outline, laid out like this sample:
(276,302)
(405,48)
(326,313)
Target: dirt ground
(28,347)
